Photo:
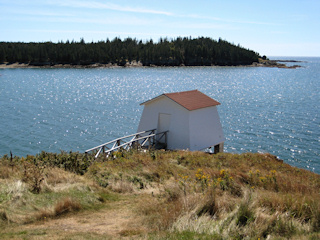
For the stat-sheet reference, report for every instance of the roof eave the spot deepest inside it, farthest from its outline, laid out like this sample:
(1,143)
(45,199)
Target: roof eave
(152,99)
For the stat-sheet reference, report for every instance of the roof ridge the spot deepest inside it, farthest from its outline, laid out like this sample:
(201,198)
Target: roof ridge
(191,100)
(183,92)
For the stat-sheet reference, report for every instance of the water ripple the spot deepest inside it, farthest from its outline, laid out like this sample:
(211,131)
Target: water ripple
(262,109)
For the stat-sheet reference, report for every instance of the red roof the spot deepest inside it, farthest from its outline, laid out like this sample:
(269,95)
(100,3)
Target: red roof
(191,100)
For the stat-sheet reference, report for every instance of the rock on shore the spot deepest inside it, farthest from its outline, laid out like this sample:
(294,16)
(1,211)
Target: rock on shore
(261,63)
(274,63)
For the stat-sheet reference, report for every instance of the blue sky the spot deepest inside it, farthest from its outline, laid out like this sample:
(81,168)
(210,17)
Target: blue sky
(272,28)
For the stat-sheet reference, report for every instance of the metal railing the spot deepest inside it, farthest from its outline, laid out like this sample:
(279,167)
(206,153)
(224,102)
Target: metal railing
(138,140)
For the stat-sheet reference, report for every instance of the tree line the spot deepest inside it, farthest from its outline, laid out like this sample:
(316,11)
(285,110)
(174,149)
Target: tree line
(176,52)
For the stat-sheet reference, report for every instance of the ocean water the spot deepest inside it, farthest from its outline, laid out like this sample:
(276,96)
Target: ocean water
(262,109)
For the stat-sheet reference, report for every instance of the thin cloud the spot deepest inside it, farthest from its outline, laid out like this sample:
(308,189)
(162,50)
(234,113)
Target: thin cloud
(119,21)
(38,13)
(109,6)
(195,16)
(93,32)
(198,26)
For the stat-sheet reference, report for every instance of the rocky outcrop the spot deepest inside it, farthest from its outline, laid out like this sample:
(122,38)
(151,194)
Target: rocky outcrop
(275,63)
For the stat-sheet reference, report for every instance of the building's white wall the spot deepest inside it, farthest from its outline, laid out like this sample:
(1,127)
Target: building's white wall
(193,130)
(178,136)
(205,128)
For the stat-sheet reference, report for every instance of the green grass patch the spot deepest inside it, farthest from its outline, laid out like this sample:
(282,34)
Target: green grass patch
(234,195)
(186,235)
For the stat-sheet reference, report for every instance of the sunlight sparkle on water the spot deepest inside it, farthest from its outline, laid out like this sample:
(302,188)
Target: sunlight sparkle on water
(262,109)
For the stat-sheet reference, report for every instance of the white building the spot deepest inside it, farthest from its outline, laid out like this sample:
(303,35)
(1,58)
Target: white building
(191,118)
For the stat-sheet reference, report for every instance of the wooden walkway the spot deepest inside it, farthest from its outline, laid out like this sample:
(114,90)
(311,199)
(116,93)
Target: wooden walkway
(149,139)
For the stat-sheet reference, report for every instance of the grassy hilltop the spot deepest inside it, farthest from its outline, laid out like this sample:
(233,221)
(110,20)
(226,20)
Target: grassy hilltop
(157,195)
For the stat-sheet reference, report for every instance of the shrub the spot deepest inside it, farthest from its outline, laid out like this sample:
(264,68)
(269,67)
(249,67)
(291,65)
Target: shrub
(62,207)
(209,205)
(316,221)
(3,216)
(283,228)
(66,205)
(33,173)
(136,181)
(245,214)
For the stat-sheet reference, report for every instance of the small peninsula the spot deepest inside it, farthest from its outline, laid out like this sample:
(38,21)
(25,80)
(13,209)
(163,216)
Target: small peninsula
(274,63)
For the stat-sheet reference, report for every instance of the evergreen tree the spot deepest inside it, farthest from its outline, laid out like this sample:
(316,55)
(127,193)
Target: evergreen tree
(187,51)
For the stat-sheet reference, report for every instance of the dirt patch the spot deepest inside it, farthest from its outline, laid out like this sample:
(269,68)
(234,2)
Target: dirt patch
(118,220)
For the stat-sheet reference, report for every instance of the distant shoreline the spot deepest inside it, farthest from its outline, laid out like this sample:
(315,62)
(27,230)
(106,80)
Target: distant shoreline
(261,63)
(276,63)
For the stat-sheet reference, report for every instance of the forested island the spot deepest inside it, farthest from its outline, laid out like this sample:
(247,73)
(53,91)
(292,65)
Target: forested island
(202,51)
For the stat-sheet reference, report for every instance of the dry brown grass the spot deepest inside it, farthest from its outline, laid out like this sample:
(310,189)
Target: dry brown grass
(161,211)
(56,176)
(57,180)
(65,206)
(283,198)
(60,192)
(5,172)
(224,195)
(62,207)
(122,186)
